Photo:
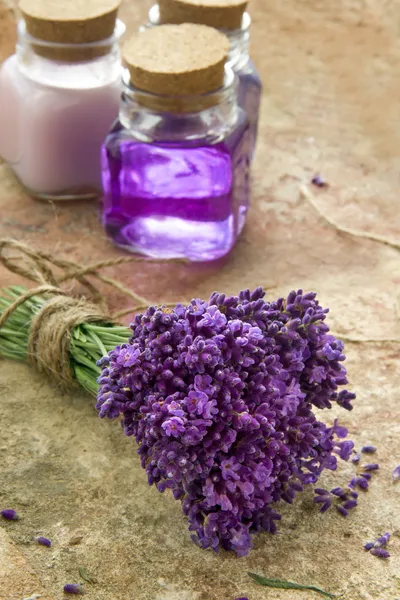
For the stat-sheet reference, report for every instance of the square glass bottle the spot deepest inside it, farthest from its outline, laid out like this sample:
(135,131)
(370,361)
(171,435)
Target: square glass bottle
(176,165)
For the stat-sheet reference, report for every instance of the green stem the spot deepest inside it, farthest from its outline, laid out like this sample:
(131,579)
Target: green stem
(89,341)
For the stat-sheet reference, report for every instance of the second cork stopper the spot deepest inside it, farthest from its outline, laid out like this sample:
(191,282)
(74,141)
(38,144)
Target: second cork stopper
(221,14)
(177,60)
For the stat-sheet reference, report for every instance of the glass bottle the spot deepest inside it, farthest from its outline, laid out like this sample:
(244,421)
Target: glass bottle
(176,167)
(59,95)
(235,23)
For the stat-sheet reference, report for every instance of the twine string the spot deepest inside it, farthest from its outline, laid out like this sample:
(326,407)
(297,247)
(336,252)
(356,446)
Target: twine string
(52,327)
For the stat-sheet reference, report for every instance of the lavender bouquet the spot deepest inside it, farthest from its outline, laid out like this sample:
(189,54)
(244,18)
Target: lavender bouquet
(219,395)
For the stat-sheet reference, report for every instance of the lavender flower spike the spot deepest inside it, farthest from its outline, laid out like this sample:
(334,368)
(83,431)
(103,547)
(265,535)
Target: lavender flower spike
(73,588)
(219,396)
(396,474)
(9,514)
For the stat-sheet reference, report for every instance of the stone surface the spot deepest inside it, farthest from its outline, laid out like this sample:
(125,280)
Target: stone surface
(330,70)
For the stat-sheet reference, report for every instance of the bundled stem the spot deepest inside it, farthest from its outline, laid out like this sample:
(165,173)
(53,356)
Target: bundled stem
(89,342)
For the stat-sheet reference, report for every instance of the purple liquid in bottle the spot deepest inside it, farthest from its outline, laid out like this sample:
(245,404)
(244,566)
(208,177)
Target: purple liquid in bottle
(181,199)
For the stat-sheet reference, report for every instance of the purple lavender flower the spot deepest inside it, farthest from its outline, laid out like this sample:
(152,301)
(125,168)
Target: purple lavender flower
(324,498)
(356,458)
(368,546)
(318,181)
(349,504)
(383,540)
(341,510)
(43,541)
(369,449)
(380,553)
(73,588)
(9,514)
(361,482)
(219,396)
(396,474)
(370,467)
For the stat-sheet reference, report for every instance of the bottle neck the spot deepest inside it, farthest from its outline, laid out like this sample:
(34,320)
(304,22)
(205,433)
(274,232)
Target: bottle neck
(73,66)
(239,38)
(175,119)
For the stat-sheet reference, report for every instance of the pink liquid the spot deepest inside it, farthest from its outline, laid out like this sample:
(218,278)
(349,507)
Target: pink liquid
(51,133)
(169,200)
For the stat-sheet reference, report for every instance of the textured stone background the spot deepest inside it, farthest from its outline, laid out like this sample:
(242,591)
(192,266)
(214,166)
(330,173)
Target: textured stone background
(331,104)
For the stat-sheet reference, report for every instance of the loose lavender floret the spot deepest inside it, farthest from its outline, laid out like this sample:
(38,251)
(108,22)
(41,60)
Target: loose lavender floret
(370,467)
(219,396)
(383,540)
(9,514)
(43,541)
(318,181)
(341,509)
(73,588)
(380,553)
(396,474)
(369,449)
(356,458)
(361,482)
(323,497)
(369,545)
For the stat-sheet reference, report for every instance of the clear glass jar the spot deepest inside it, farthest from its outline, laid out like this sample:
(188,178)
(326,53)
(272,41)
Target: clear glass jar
(249,87)
(176,185)
(57,102)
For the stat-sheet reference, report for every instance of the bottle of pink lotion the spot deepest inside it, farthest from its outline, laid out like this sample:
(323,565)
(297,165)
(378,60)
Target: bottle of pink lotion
(59,95)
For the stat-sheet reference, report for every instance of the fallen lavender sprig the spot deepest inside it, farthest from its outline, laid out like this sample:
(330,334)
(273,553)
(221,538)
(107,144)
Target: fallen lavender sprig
(219,397)
(345,499)
(287,585)
(378,548)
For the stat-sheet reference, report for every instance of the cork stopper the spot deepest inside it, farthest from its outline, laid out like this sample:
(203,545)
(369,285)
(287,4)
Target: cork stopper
(221,14)
(177,63)
(73,23)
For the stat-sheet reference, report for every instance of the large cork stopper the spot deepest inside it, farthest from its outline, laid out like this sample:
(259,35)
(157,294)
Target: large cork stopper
(177,63)
(221,14)
(70,22)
